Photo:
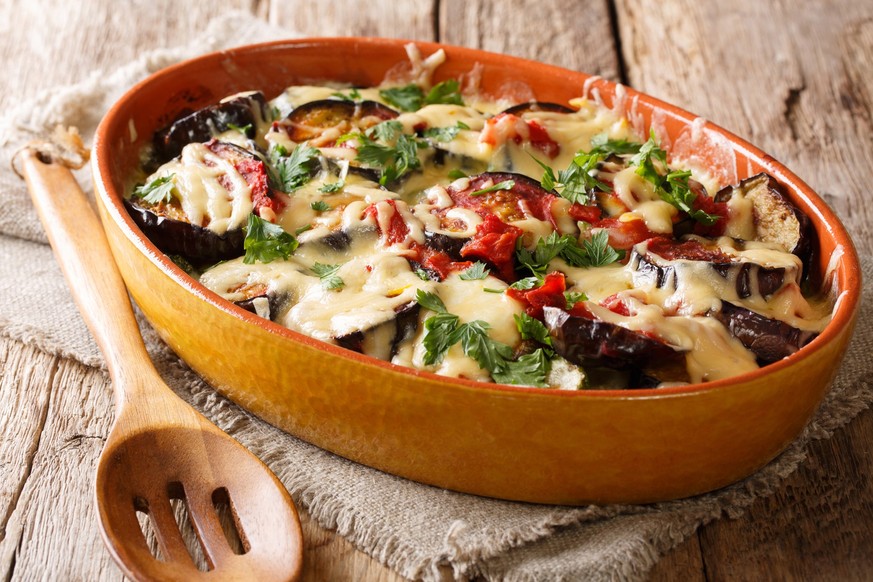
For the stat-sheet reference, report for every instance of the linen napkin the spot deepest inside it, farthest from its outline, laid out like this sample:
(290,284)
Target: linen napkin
(420,531)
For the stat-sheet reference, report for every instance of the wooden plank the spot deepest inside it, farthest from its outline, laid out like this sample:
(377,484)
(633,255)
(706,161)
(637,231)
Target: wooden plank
(794,82)
(684,562)
(352,18)
(543,31)
(24,412)
(46,43)
(55,520)
(802,90)
(818,525)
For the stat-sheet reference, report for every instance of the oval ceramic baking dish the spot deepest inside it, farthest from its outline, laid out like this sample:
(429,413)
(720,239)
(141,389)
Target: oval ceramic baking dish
(517,443)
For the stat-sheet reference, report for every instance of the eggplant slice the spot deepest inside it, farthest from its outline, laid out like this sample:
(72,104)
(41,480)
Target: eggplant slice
(538,106)
(383,340)
(310,120)
(665,272)
(769,339)
(774,218)
(166,225)
(585,341)
(242,110)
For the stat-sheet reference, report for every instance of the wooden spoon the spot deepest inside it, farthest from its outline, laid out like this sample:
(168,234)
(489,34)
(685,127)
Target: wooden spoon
(160,448)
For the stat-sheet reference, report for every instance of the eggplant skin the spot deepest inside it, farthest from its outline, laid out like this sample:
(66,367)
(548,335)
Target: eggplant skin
(201,125)
(767,280)
(310,120)
(176,237)
(405,324)
(769,339)
(777,220)
(537,106)
(584,341)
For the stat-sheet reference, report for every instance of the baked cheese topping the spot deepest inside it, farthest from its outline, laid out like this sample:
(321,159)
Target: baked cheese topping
(542,245)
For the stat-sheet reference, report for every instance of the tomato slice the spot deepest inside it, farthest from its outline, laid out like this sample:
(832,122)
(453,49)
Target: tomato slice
(525,198)
(494,242)
(397,230)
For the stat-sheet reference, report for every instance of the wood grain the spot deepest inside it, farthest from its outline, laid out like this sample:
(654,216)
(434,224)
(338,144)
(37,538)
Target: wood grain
(794,82)
(798,82)
(582,41)
(415,21)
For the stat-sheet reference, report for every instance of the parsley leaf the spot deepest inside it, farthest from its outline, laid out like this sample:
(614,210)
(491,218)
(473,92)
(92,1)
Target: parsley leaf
(386,131)
(327,273)
(422,274)
(442,134)
(157,191)
(598,251)
(504,185)
(456,174)
(445,92)
(574,297)
(295,170)
(477,271)
(489,354)
(673,187)
(444,330)
(319,206)
(406,98)
(595,252)
(576,183)
(266,242)
(354,95)
(439,336)
(528,370)
(245,129)
(392,162)
(430,301)
(608,147)
(531,328)
(332,187)
(412,97)
(525,284)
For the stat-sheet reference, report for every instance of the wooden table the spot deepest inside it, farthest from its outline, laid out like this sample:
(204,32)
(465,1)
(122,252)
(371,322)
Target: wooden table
(795,79)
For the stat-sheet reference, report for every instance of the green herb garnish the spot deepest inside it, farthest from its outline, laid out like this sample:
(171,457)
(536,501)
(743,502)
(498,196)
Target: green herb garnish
(333,187)
(412,97)
(327,273)
(266,242)
(477,271)
(531,328)
(157,191)
(504,185)
(319,206)
(294,171)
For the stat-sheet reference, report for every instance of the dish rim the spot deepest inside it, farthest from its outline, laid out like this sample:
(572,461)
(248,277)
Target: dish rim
(848,270)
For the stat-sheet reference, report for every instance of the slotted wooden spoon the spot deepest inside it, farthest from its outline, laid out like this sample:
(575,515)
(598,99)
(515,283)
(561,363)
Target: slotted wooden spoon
(160,448)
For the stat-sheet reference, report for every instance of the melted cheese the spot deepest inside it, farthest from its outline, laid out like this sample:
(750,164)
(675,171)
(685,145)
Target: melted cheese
(378,281)
(200,178)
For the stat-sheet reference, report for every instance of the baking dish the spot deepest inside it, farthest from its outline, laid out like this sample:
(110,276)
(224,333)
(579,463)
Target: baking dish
(514,443)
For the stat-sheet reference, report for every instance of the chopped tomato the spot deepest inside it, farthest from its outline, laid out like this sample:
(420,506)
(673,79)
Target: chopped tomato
(254,172)
(616,304)
(494,242)
(397,229)
(525,199)
(691,250)
(436,261)
(506,126)
(624,234)
(710,206)
(550,293)
(585,213)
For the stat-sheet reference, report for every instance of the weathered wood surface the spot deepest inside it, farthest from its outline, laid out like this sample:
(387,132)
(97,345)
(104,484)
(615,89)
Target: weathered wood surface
(799,83)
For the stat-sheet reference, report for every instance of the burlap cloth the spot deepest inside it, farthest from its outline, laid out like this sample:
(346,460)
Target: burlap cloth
(420,531)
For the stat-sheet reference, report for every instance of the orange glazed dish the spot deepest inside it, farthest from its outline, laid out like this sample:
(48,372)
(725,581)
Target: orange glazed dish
(476,271)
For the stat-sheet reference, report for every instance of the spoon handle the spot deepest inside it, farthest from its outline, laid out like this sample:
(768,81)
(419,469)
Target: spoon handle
(83,253)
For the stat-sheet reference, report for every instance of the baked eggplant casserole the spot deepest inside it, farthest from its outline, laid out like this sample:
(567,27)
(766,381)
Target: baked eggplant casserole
(537,244)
